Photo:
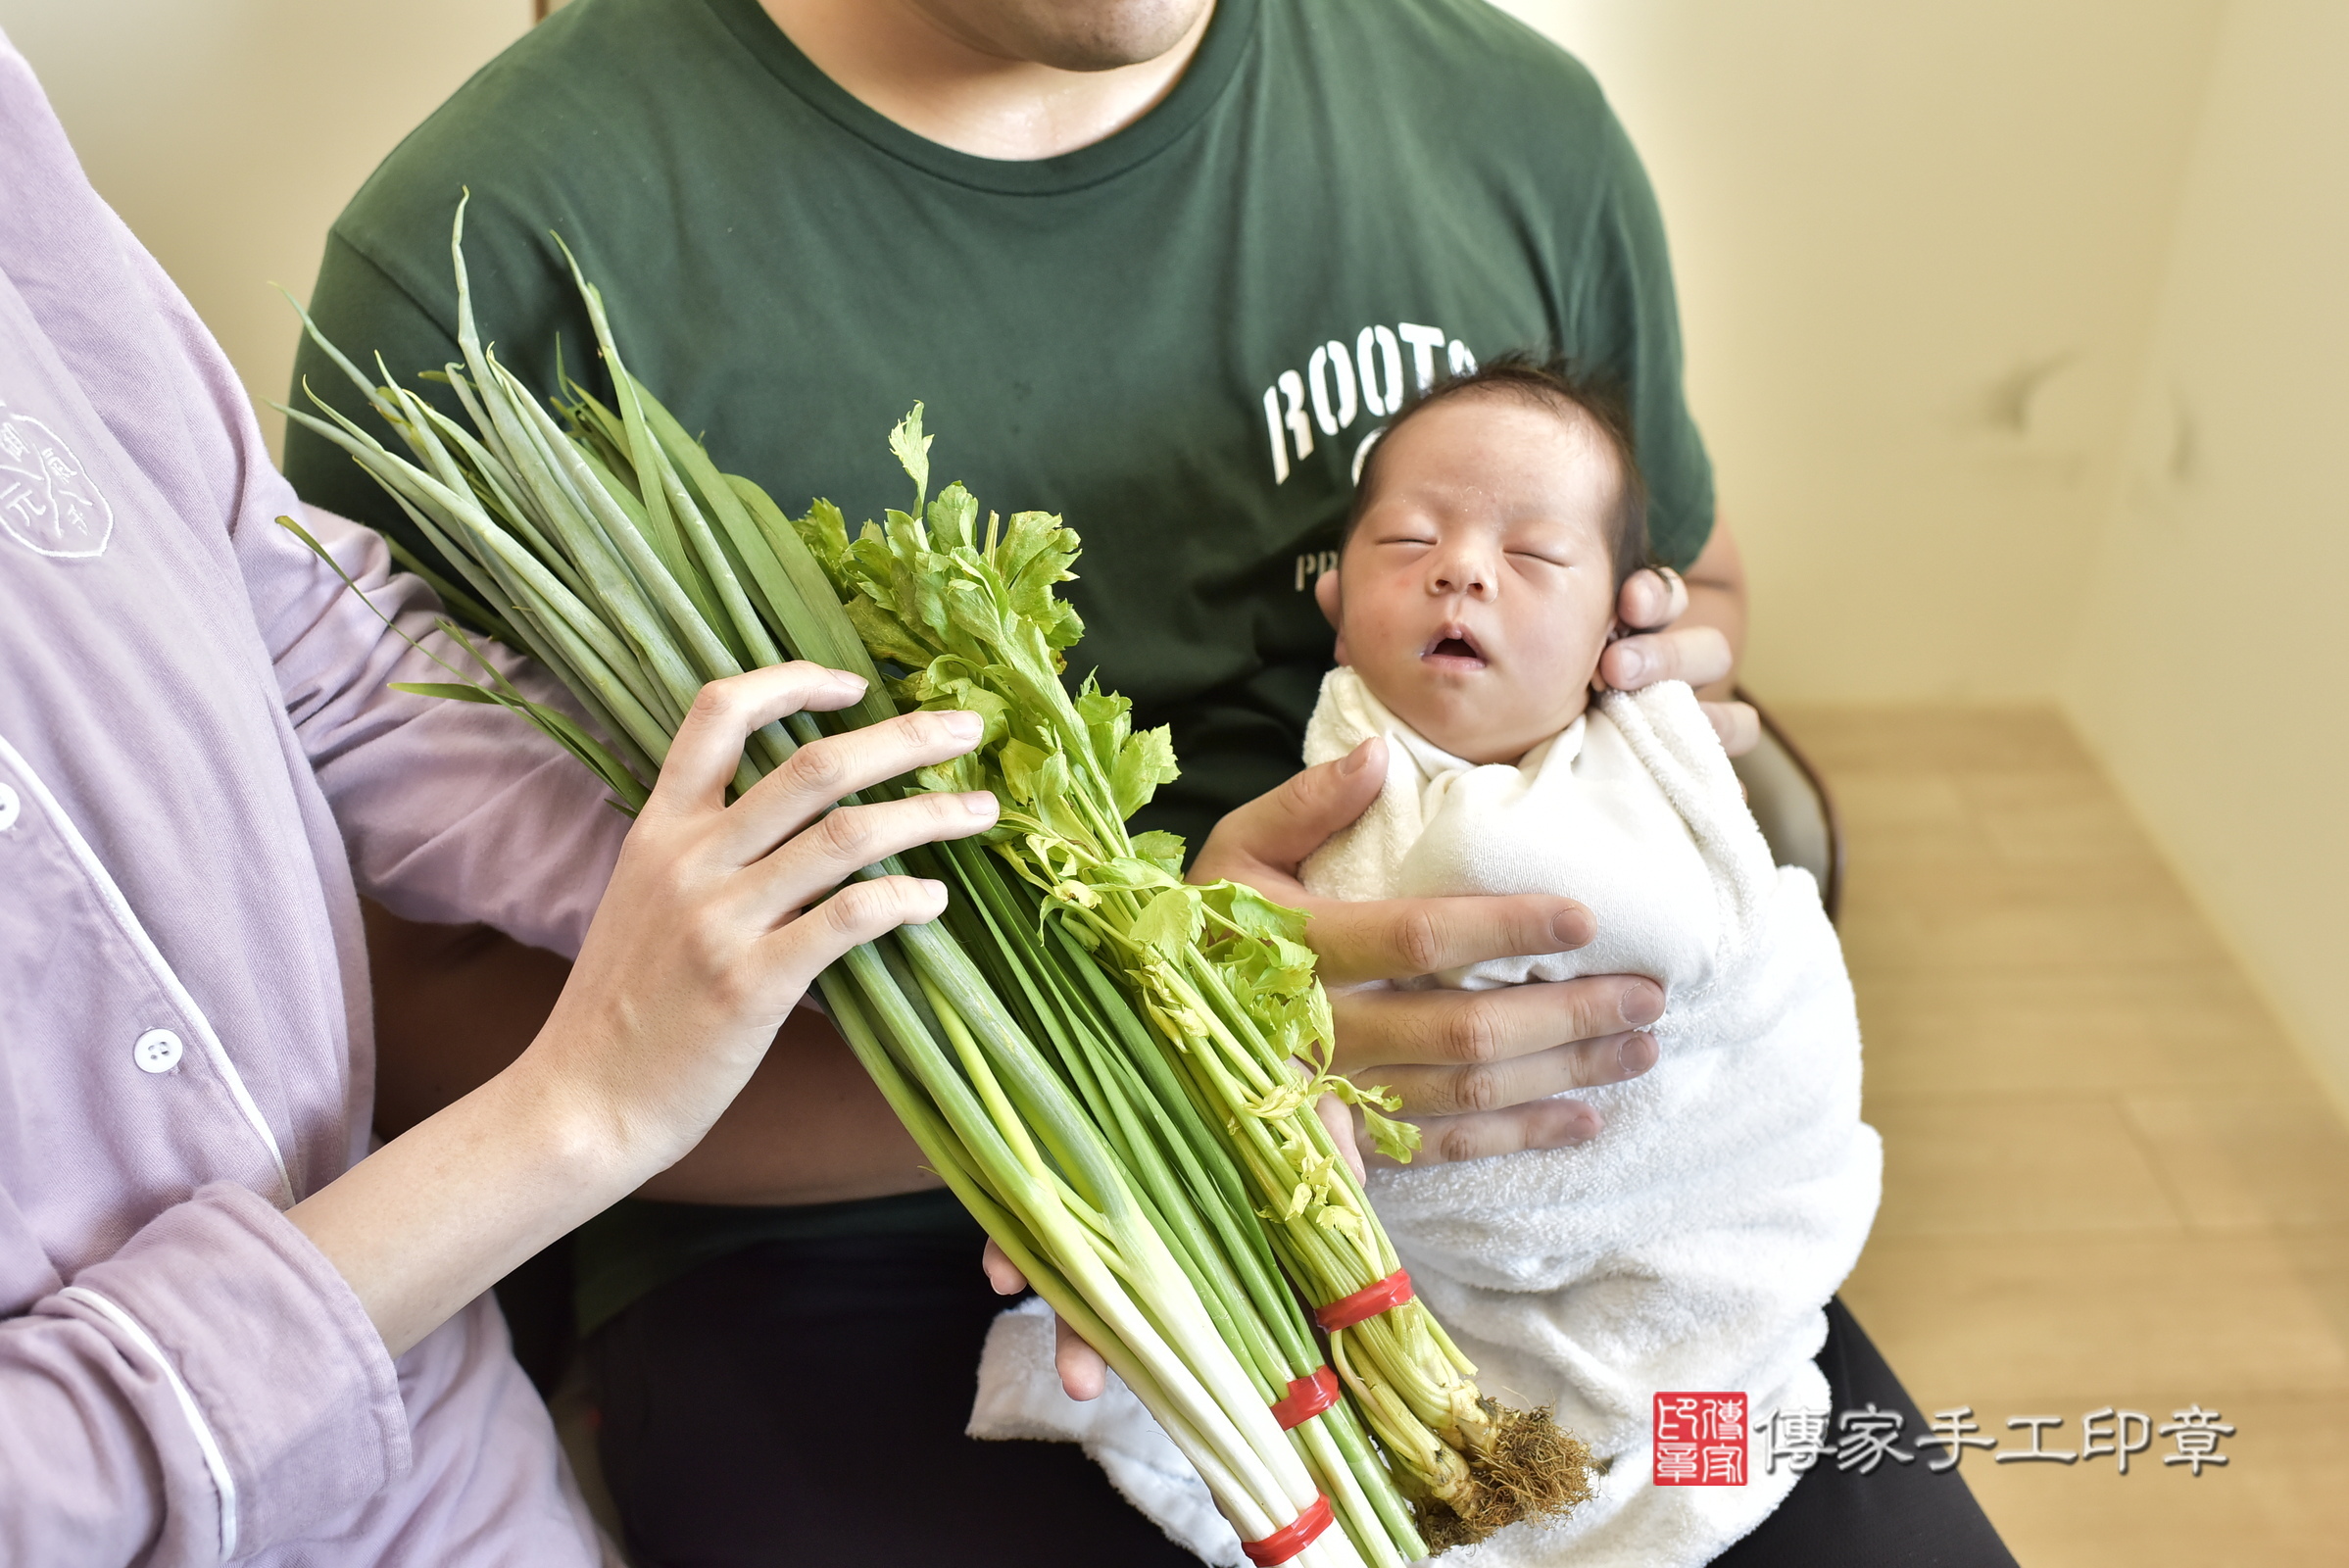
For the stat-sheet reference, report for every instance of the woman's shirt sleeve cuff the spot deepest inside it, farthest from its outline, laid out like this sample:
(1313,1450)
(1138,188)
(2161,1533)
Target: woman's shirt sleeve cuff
(271,1402)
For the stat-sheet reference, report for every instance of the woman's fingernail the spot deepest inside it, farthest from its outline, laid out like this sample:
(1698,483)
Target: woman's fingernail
(979,804)
(1642,1005)
(1355,760)
(1631,664)
(849,679)
(963,724)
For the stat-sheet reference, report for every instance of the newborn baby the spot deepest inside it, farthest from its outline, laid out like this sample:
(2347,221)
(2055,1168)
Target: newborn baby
(1691,1245)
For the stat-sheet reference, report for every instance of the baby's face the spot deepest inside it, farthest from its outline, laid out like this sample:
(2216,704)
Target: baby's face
(1477,592)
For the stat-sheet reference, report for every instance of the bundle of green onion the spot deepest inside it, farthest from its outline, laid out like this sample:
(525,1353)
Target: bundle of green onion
(1102,1061)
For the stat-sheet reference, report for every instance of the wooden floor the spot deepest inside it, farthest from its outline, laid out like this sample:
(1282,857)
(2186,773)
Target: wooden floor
(2109,1179)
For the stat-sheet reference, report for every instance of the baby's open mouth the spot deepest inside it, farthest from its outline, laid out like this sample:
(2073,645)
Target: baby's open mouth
(1454,645)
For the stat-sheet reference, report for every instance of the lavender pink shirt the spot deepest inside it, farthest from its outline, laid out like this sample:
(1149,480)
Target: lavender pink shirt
(201,770)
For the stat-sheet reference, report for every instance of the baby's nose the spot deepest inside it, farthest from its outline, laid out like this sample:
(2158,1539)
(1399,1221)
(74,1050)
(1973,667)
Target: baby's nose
(1462,576)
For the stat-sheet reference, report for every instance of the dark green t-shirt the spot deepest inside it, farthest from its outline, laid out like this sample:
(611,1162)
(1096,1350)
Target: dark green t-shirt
(1178,338)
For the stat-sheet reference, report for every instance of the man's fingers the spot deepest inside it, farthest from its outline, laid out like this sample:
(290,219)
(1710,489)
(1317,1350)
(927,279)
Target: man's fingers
(1736,723)
(1278,830)
(1698,655)
(1651,597)
(1083,1372)
(1001,1272)
(1519,1080)
(707,745)
(1338,1118)
(1545,1124)
(1394,1032)
(1395,939)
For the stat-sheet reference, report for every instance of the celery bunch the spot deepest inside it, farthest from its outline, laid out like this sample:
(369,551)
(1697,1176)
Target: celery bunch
(1099,1059)
(1222,973)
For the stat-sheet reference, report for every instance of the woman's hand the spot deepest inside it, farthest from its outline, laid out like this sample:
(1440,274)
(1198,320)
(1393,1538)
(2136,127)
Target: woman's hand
(718,919)
(719,916)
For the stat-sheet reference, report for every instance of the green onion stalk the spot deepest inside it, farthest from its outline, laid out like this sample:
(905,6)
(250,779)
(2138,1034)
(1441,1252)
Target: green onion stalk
(1038,1041)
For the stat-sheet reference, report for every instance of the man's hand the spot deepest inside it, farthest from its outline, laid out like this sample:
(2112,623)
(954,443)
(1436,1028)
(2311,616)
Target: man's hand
(1476,1069)
(1083,1372)
(1689,629)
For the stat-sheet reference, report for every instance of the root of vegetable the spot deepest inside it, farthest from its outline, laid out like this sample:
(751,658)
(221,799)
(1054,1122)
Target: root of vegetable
(1530,1468)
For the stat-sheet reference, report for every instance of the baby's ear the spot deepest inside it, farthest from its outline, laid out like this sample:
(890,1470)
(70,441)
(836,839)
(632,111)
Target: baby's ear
(1325,594)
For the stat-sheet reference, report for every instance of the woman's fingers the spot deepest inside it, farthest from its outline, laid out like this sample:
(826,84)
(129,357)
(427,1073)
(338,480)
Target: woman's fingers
(1698,655)
(707,745)
(848,840)
(860,913)
(1395,939)
(824,772)
(1277,830)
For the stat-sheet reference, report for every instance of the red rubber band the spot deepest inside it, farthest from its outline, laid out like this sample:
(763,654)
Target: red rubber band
(1306,1398)
(1289,1540)
(1365,1303)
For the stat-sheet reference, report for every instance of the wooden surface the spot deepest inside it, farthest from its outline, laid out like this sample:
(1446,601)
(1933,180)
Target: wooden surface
(2109,1179)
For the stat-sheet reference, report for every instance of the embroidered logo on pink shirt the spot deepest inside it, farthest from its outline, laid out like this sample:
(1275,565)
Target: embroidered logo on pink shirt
(48,501)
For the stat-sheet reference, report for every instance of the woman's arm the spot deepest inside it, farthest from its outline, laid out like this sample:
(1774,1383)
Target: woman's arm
(224,1382)
(455,1005)
(715,922)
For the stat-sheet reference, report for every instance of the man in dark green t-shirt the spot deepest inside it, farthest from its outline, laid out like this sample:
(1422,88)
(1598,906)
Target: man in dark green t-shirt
(1162,266)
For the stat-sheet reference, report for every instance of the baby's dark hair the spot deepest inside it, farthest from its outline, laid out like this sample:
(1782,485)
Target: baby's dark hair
(1551,383)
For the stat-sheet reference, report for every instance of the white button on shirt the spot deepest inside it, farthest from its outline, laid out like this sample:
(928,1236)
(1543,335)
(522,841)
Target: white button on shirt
(10,806)
(157,1050)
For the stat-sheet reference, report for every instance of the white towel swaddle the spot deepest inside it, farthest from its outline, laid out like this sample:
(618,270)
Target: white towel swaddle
(1693,1244)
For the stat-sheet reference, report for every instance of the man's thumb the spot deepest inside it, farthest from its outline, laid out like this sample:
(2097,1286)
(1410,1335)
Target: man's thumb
(1282,828)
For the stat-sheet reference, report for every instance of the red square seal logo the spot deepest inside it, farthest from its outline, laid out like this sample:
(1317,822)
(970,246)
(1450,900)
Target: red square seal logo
(1700,1440)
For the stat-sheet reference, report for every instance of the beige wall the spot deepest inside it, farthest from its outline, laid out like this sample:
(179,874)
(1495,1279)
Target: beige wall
(2019,330)
(2209,667)
(1918,246)
(229,132)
